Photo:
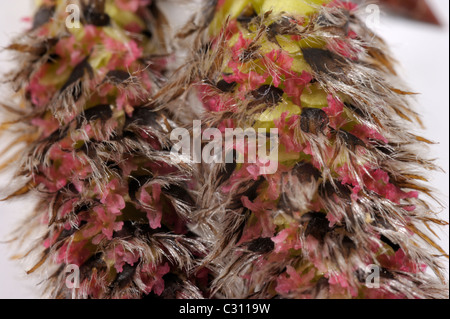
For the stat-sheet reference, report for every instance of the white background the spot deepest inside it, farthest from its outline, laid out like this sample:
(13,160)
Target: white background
(423,53)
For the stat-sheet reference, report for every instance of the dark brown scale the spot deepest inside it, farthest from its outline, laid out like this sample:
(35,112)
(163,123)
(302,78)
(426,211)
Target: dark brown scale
(38,50)
(323,21)
(284,26)
(52,58)
(356,110)
(226,87)
(89,148)
(350,140)
(250,53)
(69,232)
(205,48)
(343,192)
(125,277)
(387,241)
(28,96)
(281,27)
(139,229)
(82,208)
(50,43)
(268,94)
(42,16)
(380,221)
(94,13)
(70,187)
(251,193)
(143,229)
(240,230)
(100,112)
(321,285)
(236,205)
(338,29)
(313,120)
(135,183)
(76,91)
(117,76)
(127,134)
(160,20)
(386,273)
(247,16)
(128,230)
(226,172)
(144,117)
(148,33)
(55,137)
(326,62)
(317,225)
(306,172)
(179,193)
(77,73)
(348,245)
(113,166)
(385,149)
(261,245)
(172,285)
(96,261)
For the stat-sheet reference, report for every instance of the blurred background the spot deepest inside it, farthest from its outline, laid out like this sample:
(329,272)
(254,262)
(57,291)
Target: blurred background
(422,51)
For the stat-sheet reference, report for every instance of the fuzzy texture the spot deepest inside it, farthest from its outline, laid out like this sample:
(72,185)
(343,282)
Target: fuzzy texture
(111,199)
(350,190)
